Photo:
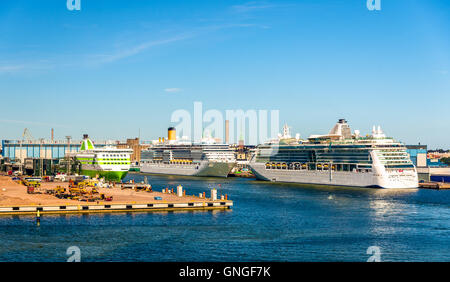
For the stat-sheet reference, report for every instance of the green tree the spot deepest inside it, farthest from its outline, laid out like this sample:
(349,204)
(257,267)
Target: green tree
(445,161)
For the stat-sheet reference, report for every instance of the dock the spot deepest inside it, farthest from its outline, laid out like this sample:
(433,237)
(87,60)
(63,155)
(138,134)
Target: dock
(434,185)
(15,200)
(106,208)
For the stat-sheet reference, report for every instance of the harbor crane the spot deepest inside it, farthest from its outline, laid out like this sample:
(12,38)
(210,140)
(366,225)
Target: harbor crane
(25,135)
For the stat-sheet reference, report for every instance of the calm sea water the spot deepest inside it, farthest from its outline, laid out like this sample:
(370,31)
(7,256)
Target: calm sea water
(269,222)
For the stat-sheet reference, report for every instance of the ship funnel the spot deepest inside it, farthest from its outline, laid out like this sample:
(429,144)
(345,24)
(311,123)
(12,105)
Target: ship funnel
(87,144)
(341,129)
(171,134)
(377,132)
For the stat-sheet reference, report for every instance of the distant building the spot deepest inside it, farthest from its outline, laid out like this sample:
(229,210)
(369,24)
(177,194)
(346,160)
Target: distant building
(418,154)
(46,149)
(136,146)
(429,166)
(434,158)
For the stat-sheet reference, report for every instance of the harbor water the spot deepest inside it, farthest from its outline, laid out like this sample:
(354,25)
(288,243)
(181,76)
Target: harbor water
(268,222)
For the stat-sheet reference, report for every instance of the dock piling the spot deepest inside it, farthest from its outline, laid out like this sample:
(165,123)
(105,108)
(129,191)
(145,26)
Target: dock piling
(38,218)
(180,191)
(214,194)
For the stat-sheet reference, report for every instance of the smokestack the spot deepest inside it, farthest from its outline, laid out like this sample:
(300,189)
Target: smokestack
(172,135)
(227,132)
(53,136)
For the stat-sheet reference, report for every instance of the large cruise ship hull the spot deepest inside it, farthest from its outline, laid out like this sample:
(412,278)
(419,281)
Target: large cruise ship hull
(336,178)
(209,169)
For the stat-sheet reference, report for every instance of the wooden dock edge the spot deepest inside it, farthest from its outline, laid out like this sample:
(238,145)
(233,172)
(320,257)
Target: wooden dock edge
(434,185)
(109,208)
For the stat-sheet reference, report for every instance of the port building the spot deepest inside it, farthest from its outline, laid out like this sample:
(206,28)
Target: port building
(16,150)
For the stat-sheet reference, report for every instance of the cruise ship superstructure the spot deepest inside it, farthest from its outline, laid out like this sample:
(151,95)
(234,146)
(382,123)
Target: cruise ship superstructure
(182,157)
(338,158)
(108,162)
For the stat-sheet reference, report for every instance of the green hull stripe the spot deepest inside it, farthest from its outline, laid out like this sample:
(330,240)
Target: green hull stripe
(108,175)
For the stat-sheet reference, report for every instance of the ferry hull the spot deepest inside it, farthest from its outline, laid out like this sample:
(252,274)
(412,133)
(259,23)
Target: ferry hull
(108,175)
(334,178)
(207,169)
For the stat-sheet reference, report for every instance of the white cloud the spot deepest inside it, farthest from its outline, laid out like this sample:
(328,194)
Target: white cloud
(10,68)
(173,90)
(138,49)
(129,51)
(32,123)
(251,6)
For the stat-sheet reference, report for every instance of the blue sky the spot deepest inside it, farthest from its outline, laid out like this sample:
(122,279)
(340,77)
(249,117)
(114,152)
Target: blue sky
(119,66)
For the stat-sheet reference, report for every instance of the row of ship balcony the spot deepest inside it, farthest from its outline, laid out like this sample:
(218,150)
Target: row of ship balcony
(320,166)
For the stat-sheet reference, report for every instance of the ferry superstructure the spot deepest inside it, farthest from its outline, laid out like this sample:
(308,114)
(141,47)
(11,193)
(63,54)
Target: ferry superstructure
(339,158)
(109,162)
(178,157)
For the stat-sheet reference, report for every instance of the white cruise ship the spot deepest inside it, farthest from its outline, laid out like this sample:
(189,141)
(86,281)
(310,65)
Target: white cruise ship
(108,162)
(177,157)
(338,158)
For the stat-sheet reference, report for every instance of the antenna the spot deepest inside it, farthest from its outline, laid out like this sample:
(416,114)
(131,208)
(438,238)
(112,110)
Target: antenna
(67,154)
(41,161)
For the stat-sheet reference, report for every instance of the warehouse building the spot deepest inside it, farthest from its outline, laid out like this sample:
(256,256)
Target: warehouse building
(20,150)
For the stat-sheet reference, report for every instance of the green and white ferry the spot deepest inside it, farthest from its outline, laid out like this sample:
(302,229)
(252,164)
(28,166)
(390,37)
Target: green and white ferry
(109,162)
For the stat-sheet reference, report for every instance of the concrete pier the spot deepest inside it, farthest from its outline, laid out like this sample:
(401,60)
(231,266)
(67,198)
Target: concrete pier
(434,185)
(16,199)
(123,207)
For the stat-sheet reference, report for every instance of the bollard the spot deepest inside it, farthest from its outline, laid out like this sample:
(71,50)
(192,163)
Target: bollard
(213,194)
(38,218)
(180,191)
